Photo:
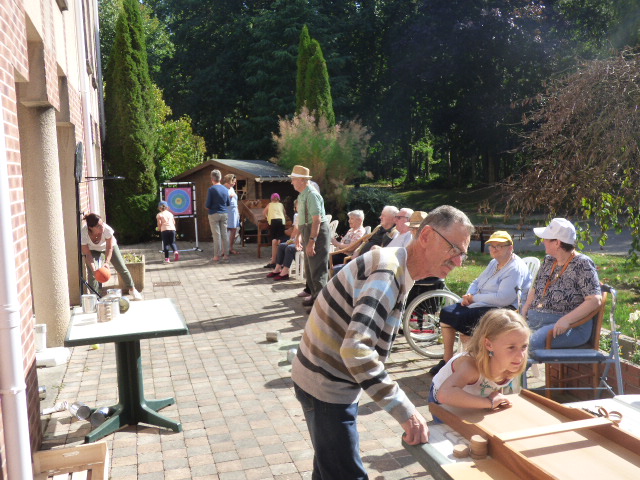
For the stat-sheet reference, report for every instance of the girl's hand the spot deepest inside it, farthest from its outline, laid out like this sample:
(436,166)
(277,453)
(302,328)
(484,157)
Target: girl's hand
(498,400)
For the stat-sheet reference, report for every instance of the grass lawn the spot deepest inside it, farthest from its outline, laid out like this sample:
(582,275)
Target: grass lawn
(479,204)
(613,270)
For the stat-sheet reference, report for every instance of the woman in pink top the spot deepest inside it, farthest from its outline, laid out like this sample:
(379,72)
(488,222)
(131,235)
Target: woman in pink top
(167,229)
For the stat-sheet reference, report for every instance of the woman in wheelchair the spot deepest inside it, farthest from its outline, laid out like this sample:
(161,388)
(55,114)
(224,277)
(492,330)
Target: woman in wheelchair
(496,287)
(566,290)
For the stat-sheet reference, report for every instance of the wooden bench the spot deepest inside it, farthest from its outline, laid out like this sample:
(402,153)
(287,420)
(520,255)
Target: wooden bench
(482,233)
(84,462)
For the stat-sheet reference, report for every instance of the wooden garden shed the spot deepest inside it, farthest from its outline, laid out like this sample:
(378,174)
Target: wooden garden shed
(256,180)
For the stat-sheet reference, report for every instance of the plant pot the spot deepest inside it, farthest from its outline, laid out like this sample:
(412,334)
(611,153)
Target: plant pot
(136,269)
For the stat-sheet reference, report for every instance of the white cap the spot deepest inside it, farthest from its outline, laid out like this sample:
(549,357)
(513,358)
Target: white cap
(559,229)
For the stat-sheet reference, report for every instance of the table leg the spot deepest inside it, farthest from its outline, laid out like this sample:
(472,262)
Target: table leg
(132,407)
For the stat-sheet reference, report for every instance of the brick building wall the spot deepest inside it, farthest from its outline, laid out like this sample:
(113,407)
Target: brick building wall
(38,54)
(630,378)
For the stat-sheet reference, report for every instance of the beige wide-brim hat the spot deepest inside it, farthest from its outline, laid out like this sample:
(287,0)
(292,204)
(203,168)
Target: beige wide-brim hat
(416,219)
(300,172)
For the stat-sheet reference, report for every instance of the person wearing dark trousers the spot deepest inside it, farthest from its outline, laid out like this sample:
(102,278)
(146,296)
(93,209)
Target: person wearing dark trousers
(167,228)
(217,204)
(315,232)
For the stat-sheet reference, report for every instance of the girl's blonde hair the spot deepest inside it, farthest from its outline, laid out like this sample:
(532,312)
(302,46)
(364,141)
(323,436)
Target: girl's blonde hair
(493,324)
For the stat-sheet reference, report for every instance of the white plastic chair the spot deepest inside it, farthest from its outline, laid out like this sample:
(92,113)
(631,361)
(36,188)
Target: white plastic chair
(333,226)
(533,264)
(299,265)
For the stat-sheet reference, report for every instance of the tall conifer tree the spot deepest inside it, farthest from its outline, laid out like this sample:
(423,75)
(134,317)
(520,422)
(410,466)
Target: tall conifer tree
(303,60)
(131,129)
(313,89)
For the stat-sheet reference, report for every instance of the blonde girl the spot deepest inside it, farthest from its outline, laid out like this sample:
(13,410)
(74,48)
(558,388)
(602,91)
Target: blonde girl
(496,353)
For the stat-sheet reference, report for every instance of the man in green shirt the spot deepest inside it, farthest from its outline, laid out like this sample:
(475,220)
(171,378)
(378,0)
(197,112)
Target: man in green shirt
(315,232)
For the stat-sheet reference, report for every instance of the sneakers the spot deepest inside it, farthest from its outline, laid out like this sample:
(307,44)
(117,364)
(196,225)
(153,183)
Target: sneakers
(434,370)
(176,256)
(166,260)
(308,302)
(303,293)
(135,294)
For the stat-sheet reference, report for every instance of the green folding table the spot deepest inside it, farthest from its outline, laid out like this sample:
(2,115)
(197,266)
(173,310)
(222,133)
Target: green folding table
(144,319)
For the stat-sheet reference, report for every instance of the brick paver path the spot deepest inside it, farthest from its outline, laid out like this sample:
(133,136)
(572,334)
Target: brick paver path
(232,387)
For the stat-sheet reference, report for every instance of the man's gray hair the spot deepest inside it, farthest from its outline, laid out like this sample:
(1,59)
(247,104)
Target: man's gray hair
(390,209)
(445,217)
(216,175)
(408,211)
(356,213)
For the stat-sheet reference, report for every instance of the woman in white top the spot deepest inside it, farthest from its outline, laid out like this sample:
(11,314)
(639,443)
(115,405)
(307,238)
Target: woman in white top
(96,238)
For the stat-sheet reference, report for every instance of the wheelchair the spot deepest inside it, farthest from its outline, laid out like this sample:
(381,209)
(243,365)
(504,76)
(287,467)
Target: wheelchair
(421,318)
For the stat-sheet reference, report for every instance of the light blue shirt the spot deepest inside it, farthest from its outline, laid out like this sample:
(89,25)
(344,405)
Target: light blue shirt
(498,288)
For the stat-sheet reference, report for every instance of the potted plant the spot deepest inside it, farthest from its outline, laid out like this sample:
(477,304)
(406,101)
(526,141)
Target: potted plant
(135,264)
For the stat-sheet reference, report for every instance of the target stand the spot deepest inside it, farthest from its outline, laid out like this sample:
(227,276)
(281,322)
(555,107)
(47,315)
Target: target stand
(181,197)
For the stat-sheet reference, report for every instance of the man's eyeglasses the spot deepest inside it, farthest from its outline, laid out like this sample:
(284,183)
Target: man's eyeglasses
(455,251)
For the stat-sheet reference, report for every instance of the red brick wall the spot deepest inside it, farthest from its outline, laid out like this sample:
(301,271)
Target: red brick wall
(14,68)
(630,376)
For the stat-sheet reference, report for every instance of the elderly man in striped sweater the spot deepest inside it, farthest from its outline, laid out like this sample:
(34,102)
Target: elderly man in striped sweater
(349,335)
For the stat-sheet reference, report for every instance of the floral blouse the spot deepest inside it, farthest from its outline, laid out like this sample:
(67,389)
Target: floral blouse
(566,290)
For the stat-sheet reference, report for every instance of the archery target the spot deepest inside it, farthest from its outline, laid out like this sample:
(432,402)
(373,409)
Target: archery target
(179,200)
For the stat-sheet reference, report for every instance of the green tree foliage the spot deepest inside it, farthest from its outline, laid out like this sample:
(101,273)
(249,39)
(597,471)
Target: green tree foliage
(159,45)
(131,130)
(332,153)
(585,147)
(313,89)
(303,60)
(178,149)
(449,74)
(318,88)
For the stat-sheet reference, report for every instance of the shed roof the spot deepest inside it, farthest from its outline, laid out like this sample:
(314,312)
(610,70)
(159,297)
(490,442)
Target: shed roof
(261,170)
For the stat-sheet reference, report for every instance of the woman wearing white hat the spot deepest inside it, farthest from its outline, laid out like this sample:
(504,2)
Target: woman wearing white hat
(566,290)
(496,287)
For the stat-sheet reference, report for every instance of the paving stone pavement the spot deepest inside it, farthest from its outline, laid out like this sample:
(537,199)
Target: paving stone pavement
(233,389)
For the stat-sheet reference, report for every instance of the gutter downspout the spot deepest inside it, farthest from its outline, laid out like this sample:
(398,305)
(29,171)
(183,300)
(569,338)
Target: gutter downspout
(12,383)
(89,148)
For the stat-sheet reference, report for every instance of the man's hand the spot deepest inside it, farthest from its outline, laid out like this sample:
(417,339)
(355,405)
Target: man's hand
(311,250)
(416,430)
(466,300)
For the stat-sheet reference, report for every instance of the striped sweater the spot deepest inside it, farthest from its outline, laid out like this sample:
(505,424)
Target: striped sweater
(350,331)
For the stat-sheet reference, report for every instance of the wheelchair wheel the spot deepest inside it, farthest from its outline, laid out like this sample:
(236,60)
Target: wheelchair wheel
(421,322)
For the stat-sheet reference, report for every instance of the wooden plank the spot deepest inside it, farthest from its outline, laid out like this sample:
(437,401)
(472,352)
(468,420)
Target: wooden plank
(487,469)
(468,424)
(587,453)
(551,429)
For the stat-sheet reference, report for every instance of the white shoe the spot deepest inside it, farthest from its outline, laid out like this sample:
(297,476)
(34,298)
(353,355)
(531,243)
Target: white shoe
(166,260)
(135,294)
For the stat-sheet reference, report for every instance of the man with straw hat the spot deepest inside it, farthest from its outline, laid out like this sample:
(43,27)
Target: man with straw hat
(315,232)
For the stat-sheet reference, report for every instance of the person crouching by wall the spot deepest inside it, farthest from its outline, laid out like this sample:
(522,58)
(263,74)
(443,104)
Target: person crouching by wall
(96,238)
